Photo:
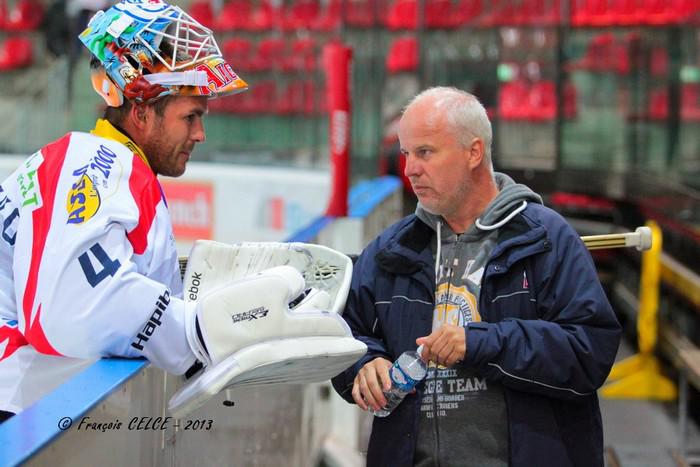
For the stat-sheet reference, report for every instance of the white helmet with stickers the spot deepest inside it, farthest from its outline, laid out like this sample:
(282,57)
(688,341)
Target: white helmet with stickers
(147,49)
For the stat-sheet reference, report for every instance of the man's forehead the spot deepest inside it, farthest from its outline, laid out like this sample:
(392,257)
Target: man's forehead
(188,104)
(417,126)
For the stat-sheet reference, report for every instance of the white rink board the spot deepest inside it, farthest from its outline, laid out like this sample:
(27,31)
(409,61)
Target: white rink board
(244,198)
(237,203)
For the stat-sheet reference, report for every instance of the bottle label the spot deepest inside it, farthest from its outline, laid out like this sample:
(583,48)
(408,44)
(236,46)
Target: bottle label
(401,380)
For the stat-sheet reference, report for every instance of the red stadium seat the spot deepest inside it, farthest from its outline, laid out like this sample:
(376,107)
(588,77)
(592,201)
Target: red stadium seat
(202,11)
(403,55)
(238,52)
(542,101)
(26,15)
(590,13)
(270,54)
(606,53)
(438,14)
(513,100)
(402,14)
(466,12)
(234,16)
(15,52)
(302,56)
(330,17)
(300,14)
(658,104)
(263,16)
(361,13)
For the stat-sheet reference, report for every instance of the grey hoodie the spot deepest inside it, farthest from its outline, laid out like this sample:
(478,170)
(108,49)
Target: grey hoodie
(463,416)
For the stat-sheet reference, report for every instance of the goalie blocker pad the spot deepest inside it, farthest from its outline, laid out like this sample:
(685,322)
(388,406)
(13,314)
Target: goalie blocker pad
(302,345)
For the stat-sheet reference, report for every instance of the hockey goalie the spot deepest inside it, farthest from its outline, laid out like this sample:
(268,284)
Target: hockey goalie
(88,264)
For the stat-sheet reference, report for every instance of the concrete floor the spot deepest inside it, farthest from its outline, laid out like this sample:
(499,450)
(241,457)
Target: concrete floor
(640,433)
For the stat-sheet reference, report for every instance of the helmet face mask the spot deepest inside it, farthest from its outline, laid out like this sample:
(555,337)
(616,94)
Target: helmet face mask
(148,49)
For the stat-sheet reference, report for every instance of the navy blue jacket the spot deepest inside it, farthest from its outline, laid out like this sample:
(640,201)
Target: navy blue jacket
(548,335)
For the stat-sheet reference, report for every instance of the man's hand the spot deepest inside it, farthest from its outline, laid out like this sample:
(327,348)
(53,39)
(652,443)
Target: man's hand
(370,384)
(446,346)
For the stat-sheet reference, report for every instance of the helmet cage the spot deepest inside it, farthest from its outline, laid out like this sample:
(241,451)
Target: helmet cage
(191,42)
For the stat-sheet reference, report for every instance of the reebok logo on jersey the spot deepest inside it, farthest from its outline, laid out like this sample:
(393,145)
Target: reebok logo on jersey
(153,322)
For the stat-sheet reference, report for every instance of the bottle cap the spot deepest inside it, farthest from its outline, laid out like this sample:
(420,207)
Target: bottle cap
(419,350)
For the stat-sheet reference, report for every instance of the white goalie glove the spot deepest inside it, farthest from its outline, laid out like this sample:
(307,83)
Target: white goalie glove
(265,328)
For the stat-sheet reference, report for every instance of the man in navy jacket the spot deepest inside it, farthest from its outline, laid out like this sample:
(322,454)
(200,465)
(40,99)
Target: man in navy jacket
(503,296)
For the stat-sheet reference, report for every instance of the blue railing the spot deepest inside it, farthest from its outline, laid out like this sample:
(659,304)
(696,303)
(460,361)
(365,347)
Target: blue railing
(28,432)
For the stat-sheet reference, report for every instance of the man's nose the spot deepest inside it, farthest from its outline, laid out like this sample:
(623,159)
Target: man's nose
(412,167)
(198,133)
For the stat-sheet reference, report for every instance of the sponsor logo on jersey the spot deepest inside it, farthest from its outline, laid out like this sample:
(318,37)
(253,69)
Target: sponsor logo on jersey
(28,182)
(83,201)
(153,322)
(250,315)
(92,185)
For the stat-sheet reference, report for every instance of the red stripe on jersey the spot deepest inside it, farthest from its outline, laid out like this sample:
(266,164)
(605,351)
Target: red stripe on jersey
(146,191)
(47,175)
(16,340)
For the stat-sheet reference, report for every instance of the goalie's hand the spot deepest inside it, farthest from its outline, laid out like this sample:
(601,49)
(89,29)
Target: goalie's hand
(225,307)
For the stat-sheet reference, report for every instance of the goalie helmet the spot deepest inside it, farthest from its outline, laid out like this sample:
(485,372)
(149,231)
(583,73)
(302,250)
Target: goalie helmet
(147,49)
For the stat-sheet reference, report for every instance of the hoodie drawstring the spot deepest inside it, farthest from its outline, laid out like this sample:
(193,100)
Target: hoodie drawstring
(499,223)
(437,253)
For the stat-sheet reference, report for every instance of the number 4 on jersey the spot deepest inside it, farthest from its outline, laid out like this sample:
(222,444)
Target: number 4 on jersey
(109,266)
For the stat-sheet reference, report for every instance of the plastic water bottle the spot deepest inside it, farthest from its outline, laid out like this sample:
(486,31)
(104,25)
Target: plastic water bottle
(407,371)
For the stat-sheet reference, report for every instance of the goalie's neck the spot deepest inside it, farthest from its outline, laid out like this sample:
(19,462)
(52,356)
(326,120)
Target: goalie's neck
(105,129)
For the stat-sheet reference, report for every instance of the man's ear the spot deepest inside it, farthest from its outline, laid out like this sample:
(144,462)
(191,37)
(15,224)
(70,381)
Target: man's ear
(140,115)
(475,152)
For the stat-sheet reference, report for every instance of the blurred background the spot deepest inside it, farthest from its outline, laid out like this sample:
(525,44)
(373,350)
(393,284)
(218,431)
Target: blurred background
(595,104)
(609,85)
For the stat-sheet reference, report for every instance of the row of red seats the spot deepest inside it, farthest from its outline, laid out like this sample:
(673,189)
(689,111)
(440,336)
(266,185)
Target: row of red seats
(15,53)
(445,14)
(689,99)
(266,97)
(536,101)
(271,53)
(239,15)
(25,15)
(608,53)
(633,12)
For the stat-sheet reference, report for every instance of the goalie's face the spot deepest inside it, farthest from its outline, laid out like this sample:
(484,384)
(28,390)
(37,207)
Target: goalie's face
(170,138)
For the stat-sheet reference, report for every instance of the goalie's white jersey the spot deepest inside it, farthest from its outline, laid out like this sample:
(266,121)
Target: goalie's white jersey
(88,265)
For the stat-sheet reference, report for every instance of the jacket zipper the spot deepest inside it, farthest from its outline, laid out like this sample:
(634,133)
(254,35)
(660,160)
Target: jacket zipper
(436,431)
